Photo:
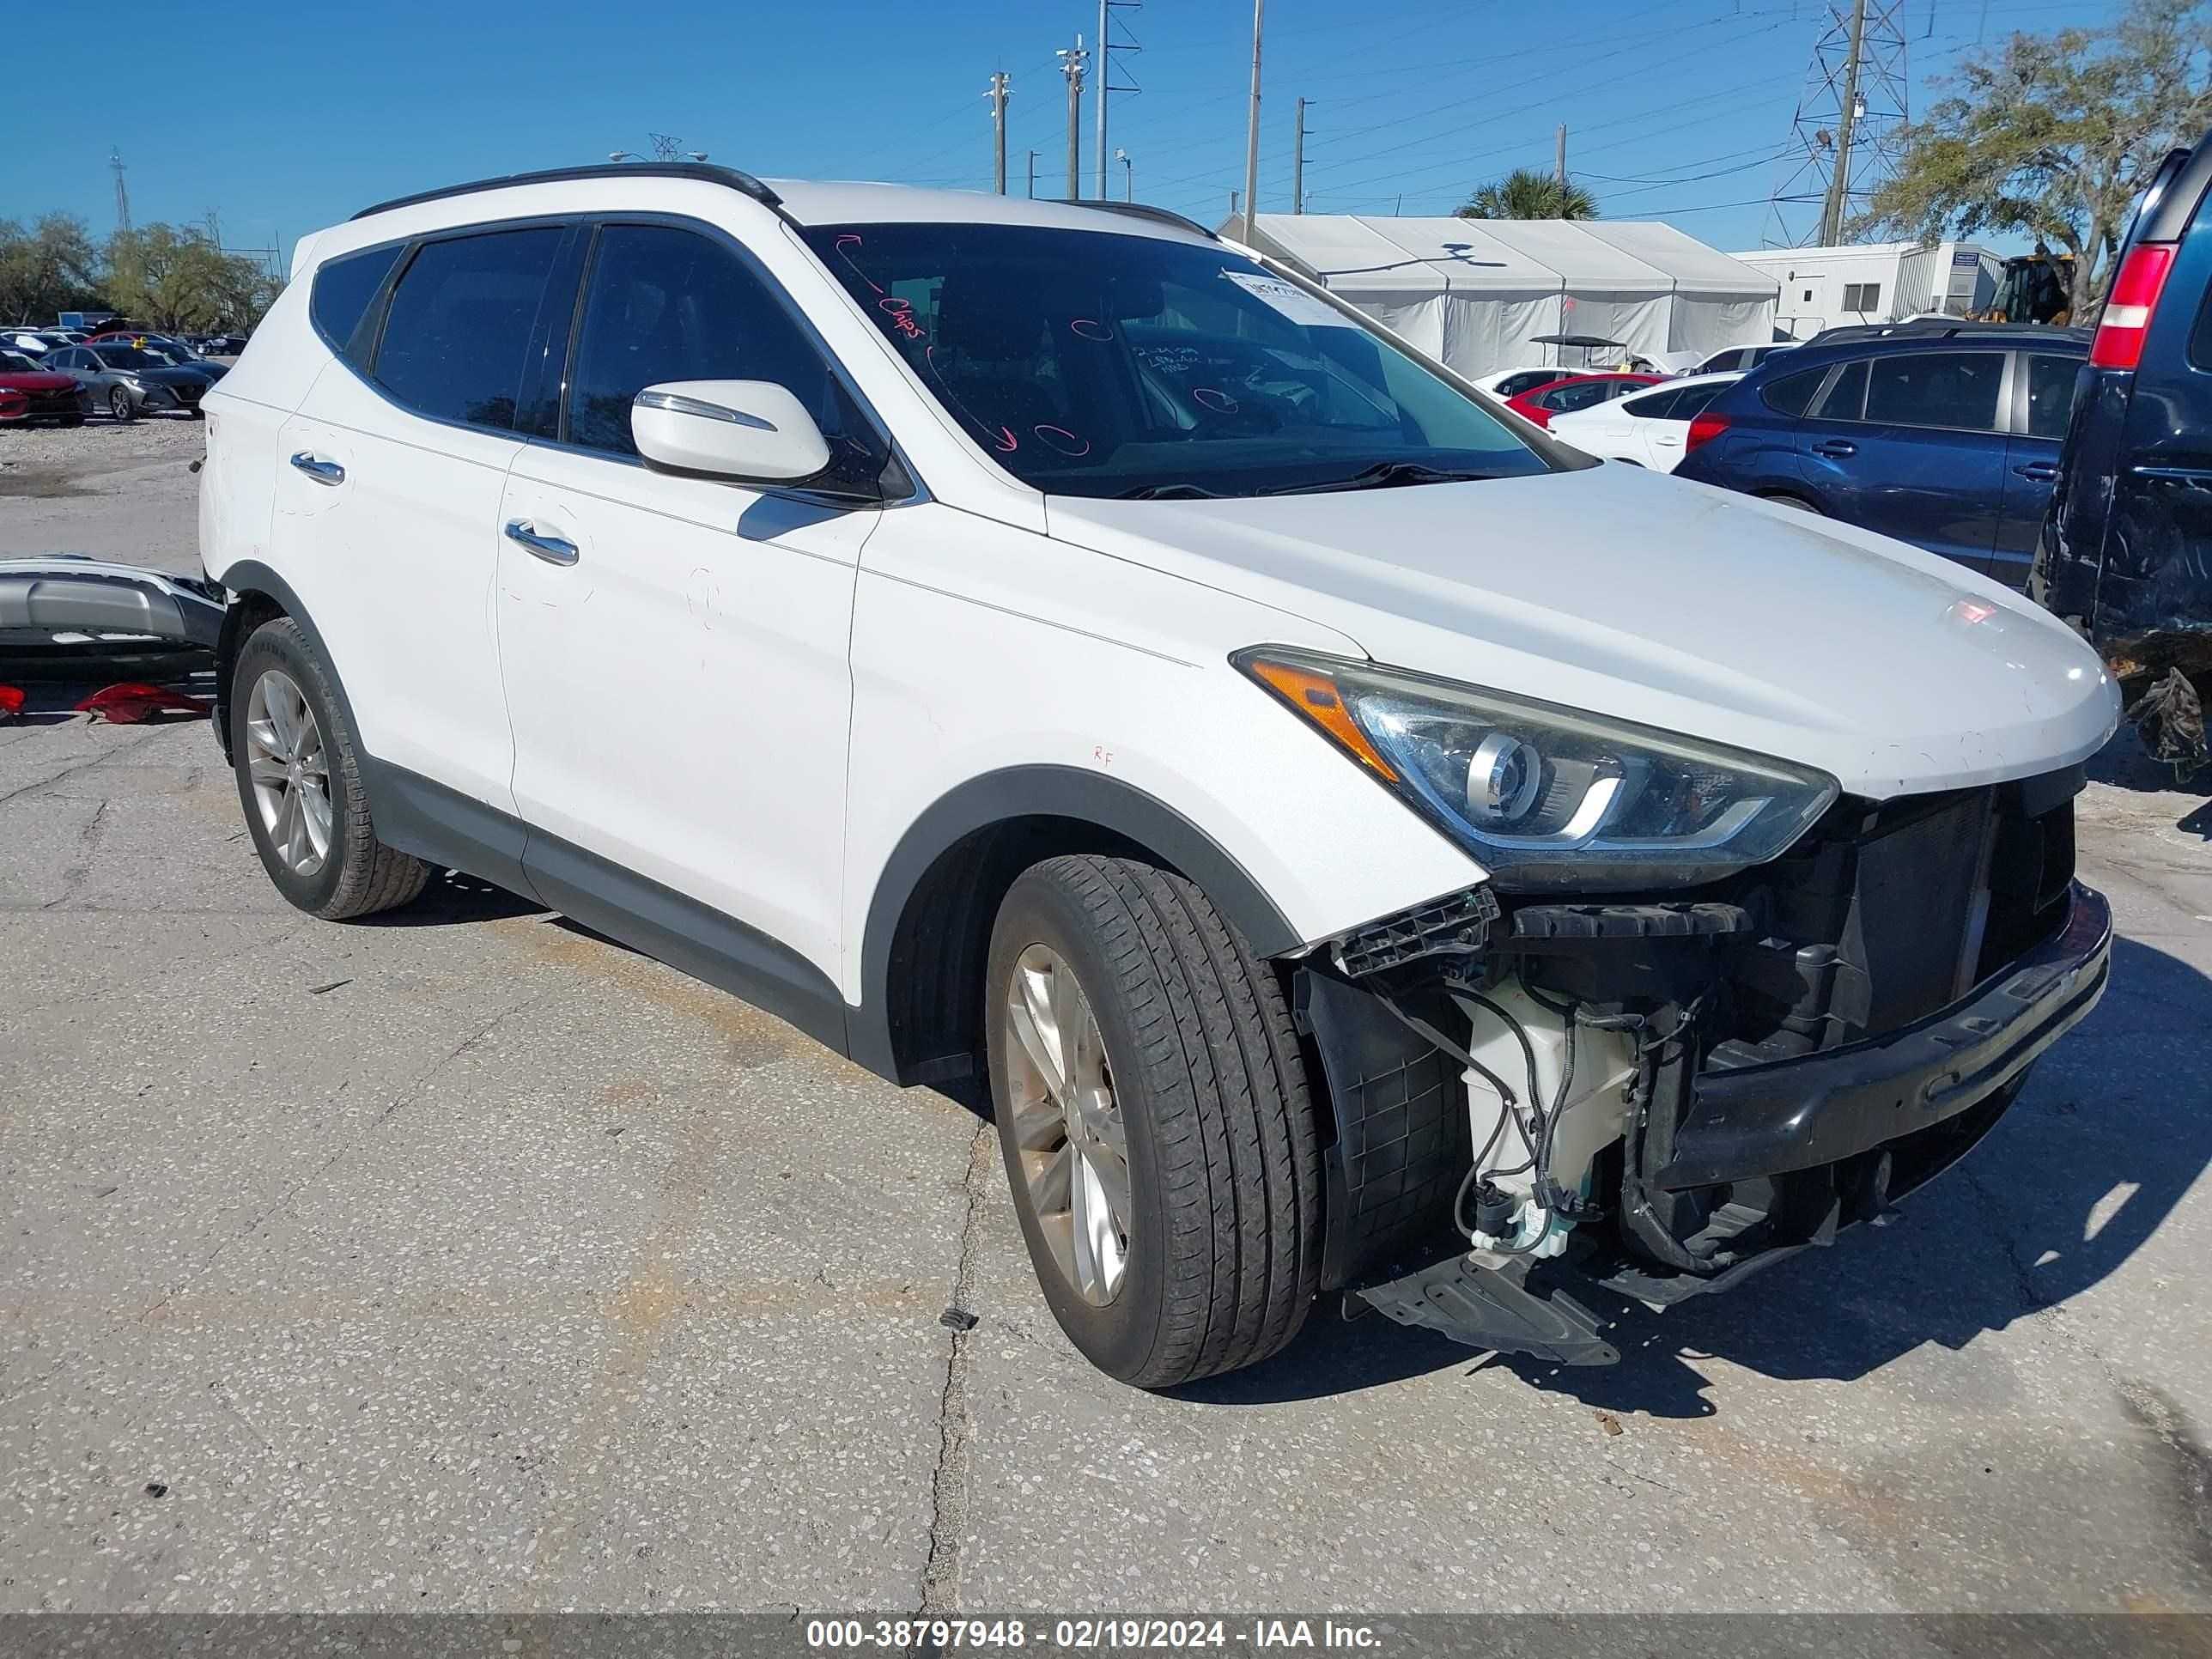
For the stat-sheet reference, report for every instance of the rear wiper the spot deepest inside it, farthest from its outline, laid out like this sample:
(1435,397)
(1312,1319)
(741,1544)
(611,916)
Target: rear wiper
(1383,475)
(1169,492)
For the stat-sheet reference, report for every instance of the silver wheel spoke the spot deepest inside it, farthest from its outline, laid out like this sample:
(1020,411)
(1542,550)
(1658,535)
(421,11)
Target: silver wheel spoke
(1065,1125)
(288,772)
(1049,1185)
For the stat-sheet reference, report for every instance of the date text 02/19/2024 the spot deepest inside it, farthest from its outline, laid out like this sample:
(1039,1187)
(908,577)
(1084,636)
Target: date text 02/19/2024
(1088,1634)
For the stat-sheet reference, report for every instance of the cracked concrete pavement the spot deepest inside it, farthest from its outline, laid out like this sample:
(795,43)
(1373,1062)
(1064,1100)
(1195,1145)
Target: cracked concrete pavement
(457,1260)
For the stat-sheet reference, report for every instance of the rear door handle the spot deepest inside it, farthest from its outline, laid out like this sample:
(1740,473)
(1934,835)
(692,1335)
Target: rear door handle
(2039,471)
(1836,449)
(322,472)
(551,548)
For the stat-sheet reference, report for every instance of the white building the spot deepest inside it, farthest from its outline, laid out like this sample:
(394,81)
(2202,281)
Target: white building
(1477,293)
(1878,283)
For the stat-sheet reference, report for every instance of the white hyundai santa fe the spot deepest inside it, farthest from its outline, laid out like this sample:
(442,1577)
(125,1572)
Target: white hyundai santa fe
(1352,842)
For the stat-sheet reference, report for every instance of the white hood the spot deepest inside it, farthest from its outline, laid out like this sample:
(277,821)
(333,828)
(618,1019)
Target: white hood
(1650,599)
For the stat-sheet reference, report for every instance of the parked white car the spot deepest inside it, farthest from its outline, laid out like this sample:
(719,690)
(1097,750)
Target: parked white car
(1350,841)
(1649,429)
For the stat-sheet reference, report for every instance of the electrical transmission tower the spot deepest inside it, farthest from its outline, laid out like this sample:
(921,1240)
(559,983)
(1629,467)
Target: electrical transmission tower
(122,190)
(1844,143)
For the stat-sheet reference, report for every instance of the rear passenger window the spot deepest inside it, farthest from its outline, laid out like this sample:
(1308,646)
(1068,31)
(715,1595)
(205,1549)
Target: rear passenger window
(1954,389)
(2050,394)
(1846,399)
(1691,401)
(461,322)
(1789,394)
(343,288)
(666,304)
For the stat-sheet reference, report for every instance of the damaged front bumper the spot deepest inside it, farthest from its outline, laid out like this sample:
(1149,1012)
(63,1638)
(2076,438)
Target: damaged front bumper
(1762,1066)
(65,609)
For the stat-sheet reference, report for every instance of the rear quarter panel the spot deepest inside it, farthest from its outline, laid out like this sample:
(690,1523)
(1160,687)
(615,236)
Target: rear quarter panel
(245,411)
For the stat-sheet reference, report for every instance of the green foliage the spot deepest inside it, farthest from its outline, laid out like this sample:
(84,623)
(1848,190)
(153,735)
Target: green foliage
(157,275)
(1525,193)
(50,267)
(2053,135)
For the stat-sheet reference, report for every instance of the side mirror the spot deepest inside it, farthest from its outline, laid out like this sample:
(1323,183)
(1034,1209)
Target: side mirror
(751,431)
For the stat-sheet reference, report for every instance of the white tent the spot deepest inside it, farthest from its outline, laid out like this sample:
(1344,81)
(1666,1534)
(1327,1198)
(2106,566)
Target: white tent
(1477,293)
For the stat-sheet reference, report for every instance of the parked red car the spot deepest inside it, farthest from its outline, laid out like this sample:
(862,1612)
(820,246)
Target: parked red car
(28,393)
(1570,391)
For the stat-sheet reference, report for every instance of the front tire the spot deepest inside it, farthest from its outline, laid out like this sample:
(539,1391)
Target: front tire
(1154,1115)
(298,780)
(120,404)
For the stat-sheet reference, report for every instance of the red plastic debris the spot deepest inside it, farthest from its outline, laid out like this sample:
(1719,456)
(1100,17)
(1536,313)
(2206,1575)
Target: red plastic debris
(134,701)
(11,701)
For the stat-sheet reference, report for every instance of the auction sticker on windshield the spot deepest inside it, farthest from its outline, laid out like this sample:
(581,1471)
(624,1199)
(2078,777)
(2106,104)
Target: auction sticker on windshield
(1292,300)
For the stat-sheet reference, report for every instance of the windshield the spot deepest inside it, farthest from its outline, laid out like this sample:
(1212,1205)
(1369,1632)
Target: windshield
(1088,363)
(124,357)
(14,363)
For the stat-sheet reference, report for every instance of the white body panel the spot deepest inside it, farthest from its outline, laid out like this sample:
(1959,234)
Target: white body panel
(395,564)
(752,700)
(679,695)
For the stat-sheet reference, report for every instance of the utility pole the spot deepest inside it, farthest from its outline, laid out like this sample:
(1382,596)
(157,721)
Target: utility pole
(1252,130)
(122,190)
(1107,47)
(1839,180)
(1298,163)
(1033,155)
(997,94)
(1071,66)
(1559,167)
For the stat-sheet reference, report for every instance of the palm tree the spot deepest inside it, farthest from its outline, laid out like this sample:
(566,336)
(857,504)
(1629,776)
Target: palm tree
(1525,193)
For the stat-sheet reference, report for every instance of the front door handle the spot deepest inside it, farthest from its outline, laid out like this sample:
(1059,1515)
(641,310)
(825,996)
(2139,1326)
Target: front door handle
(322,472)
(1836,449)
(2039,471)
(551,548)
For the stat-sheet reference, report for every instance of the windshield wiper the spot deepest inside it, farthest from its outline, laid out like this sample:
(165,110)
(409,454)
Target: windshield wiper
(1383,475)
(1169,492)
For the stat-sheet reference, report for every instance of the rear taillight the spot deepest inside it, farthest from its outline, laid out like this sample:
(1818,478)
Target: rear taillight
(1703,428)
(2120,332)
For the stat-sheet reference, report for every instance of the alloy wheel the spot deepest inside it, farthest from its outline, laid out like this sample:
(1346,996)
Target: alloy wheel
(1068,1126)
(290,772)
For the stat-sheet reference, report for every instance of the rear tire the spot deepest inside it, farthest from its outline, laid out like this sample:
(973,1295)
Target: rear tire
(1221,1234)
(1796,502)
(289,741)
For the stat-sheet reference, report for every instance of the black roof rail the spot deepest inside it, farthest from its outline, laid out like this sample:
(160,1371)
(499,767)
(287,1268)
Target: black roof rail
(1938,328)
(1157,216)
(743,183)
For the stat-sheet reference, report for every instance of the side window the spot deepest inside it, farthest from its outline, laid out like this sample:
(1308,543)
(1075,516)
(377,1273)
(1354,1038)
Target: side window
(1582,394)
(461,322)
(1846,399)
(1692,401)
(667,304)
(2050,394)
(1791,393)
(1656,407)
(1954,389)
(342,289)
(1862,296)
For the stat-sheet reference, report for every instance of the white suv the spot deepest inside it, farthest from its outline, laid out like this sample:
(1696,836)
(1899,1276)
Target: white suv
(1355,843)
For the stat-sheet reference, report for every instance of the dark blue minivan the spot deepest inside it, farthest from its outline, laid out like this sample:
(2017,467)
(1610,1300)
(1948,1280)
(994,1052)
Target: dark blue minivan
(1941,433)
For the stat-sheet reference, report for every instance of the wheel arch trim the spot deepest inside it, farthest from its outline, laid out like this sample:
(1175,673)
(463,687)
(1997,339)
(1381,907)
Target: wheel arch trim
(1017,792)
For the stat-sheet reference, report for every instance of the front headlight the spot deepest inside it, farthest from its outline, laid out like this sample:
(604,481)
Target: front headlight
(1545,797)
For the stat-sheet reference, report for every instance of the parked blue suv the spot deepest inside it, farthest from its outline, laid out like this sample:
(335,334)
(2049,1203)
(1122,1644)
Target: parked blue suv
(1945,434)
(2127,554)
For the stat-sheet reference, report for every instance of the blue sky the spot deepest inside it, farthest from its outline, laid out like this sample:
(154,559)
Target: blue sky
(298,114)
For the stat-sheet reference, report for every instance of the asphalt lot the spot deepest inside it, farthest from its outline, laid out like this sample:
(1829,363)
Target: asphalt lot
(461,1261)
